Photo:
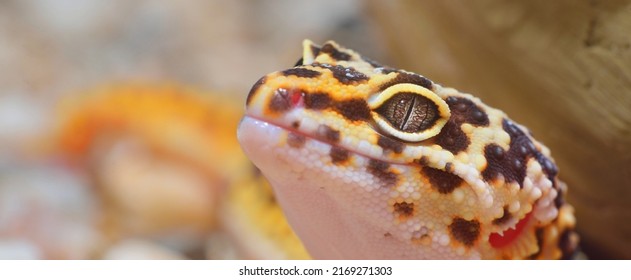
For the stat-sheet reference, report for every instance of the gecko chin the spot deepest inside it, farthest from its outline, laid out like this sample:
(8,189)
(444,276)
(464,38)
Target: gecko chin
(343,194)
(350,195)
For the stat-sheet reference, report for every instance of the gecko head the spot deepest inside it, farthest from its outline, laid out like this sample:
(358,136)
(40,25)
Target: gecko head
(369,108)
(373,162)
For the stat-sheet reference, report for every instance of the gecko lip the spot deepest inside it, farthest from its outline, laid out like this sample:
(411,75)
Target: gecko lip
(482,190)
(312,137)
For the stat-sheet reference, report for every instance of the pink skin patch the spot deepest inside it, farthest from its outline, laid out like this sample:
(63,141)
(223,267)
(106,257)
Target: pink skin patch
(499,241)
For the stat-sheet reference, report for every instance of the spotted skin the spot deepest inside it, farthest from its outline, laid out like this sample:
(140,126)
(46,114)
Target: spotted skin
(477,186)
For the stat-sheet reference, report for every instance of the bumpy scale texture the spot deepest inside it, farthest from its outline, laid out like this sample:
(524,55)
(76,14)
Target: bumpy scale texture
(371,162)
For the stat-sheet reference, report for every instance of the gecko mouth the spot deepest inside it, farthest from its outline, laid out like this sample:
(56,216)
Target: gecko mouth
(507,237)
(321,135)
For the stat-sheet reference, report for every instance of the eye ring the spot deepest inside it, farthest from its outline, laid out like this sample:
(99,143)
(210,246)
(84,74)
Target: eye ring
(409,112)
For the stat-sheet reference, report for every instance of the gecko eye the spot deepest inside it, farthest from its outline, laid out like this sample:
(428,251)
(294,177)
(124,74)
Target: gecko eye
(409,112)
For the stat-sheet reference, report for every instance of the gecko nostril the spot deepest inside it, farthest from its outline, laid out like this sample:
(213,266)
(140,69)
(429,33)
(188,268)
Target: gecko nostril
(284,99)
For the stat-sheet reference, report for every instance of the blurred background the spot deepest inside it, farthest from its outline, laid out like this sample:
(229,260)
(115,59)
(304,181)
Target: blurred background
(118,118)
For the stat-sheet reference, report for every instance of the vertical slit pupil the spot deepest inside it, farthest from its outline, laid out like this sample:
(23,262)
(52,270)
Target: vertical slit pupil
(409,112)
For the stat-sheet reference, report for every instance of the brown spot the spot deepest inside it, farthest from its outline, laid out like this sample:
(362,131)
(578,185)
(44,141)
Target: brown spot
(353,109)
(387,234)
(296,140)
(523,150)
(317,101)
(254,88)
(329,134)
(404,209)
(345,75)
(423,161)
(463,110)
(559,200)
(440,180)
(465,232)
(511,164)
(496,151)
(301,72)
(335,53)
(546,164)
(281,100)
(452,138)
(295,124)
(504,218)
(389,144)
(348,75)
(406,77)
(503,165)
(338,155)
(449,167)
(517,164)
(568,242)
(381,170)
